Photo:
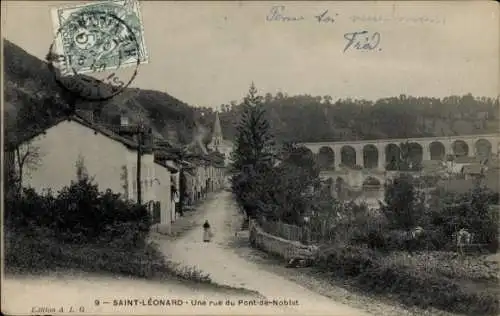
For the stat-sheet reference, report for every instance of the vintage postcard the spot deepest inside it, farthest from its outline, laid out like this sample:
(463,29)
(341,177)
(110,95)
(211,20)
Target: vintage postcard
(250,158)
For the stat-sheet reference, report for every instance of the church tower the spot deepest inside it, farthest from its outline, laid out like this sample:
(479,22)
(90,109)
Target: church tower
(217,133)
(218,143)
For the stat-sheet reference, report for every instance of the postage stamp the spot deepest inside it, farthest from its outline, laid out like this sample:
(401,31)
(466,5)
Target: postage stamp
(100,34)
(97,48)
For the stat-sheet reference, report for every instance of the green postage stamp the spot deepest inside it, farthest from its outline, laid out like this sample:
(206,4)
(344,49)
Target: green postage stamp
(99,36)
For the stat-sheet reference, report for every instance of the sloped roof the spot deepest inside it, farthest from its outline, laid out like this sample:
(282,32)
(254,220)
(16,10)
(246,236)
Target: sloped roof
(430,166)
(472,169)
(167,165)
(82,121)
(466,159)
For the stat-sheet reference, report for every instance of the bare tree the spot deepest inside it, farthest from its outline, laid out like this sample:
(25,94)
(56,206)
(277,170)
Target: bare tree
(27,157)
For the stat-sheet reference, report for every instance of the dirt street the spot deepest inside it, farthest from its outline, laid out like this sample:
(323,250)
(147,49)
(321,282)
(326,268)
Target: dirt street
(226,267)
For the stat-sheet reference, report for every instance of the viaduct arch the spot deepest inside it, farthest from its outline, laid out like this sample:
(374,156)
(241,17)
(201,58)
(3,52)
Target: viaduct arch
(381,153)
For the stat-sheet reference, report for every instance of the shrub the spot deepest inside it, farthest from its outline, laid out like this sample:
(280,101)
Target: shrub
(400,197)
(472,211)
(23,253)
(111,234)
(80,214)
(346,261)
(359,225)
(413,285)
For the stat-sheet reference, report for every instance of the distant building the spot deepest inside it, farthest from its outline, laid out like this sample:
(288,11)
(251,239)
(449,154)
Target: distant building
(218,143)
(473,171)
(456,165)
(433,167)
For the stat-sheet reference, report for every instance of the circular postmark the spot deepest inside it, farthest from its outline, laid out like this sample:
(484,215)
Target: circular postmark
(95,55)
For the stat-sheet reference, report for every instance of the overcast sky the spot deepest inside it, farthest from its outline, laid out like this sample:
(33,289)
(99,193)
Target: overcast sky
(208,53)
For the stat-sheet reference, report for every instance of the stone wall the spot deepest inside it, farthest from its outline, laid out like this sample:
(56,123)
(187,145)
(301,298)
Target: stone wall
(284,248)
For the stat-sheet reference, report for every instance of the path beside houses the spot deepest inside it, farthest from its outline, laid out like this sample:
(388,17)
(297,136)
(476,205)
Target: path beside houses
(226,267)
(185,223)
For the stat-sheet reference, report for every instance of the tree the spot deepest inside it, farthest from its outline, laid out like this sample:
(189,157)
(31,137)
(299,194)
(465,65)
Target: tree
(405,210)
(327,99)
(300,157)
(268,98)
(19,138)
(252,157)
(404,162)
(384,118)
(399,208)
(254,141)
(27,158)
(33,117)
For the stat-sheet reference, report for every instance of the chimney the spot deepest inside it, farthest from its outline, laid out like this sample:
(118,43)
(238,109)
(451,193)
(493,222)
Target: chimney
(123,120)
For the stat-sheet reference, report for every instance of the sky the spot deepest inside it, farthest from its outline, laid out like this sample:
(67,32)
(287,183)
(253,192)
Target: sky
(208,53)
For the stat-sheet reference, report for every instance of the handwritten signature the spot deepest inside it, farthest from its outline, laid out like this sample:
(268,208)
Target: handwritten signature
(277,13)
(362,41)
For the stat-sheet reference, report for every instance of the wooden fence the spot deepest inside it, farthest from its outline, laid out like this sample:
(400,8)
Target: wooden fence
(316,232)
(285,231)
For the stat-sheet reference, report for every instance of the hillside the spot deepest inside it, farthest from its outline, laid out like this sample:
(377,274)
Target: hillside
(300,118)
(305,118)
(28,81)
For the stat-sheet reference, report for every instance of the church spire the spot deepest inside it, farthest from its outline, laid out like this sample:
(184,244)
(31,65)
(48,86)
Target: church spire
(217,132)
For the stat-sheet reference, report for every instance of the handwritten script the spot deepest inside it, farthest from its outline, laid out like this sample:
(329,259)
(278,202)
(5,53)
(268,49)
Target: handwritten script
(362,41)
(397,19)
(277,14)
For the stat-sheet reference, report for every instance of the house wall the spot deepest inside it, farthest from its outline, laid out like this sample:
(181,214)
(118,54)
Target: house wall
(162,192)
(196,181)
(174,198)
(110,163)
(104,159)
(147,175)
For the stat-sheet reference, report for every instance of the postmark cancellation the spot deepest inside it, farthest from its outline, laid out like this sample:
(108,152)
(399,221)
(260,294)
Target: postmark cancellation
(98,36)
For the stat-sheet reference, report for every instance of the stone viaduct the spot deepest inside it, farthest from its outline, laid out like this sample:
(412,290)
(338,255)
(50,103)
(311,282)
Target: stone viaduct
(376,154)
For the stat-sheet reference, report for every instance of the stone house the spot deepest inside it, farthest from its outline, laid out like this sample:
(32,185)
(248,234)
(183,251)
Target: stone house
(109,158)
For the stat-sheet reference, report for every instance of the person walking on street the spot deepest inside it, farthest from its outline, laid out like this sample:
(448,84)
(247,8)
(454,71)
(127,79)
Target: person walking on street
(207,233)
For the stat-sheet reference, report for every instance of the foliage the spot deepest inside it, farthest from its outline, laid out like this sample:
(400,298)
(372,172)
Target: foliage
(400,208)
(24,253)
(472,211)
(111,234)
(413,284)
(352,119)
(281,191)
(252,159)
(254,141)
(31,92)
(80,214)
